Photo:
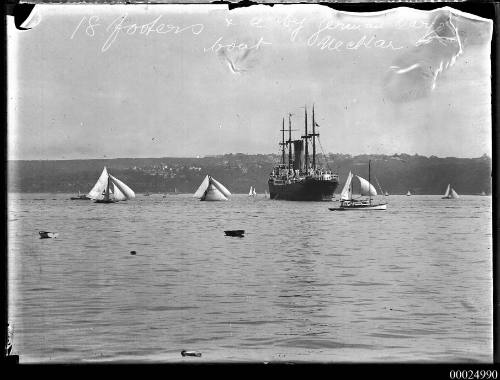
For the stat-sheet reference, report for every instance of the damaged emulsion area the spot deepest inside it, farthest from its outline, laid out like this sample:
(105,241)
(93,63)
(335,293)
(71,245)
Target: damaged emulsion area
(413,75)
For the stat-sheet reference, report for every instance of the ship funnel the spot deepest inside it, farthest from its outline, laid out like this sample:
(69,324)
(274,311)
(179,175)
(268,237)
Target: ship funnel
(298,150)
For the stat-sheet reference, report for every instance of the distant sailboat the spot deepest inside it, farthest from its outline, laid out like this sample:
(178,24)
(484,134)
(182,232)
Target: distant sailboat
(348,203)
(251,192)
(386,194)
(254,192)
(483,193)
(212,190)
(109,189)
(266,194)
(408,193)
(450,193)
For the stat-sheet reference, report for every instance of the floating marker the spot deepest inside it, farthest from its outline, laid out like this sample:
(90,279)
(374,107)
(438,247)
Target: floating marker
(133,252)
(47,235)
(235,233)
(190,353)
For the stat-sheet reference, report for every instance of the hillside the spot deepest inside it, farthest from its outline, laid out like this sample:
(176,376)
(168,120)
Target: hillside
(396,174)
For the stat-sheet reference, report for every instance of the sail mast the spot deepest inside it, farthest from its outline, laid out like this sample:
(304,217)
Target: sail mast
(369,181)
(107,190)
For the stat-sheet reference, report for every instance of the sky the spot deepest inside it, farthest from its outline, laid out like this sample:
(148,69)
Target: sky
(101,81)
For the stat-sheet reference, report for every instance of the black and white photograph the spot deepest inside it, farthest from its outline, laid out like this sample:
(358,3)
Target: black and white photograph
(295,183)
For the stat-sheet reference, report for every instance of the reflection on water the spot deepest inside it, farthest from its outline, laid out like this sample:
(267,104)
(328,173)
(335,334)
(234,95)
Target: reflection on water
(413,283)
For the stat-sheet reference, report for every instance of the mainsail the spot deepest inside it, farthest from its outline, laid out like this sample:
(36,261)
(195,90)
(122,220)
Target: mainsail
(447,192)
(346,193)
(100,186)
(250,192)
(367,188)
(220,187)
(204,185)
(450,193)
(124,191)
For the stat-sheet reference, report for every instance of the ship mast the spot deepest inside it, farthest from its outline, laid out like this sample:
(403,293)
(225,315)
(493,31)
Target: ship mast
(314,134)
(283,143)
(306,137)
(289,141)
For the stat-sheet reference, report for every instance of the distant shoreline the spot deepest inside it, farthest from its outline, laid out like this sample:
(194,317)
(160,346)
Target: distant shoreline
(245,154)
(396,174)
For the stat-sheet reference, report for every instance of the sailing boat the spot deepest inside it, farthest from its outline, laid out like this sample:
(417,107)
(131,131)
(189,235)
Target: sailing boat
(252,192)
(386,194)
(212,190)
(109,189)
(367,189)
(408,193)
(483,193)
(450,193)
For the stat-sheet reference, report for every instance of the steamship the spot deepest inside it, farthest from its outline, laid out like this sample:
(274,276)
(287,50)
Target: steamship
(300,178)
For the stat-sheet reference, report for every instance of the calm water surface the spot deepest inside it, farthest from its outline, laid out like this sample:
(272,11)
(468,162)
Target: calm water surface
(413,283)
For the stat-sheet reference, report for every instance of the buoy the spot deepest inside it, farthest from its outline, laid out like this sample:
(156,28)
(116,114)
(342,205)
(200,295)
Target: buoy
(235,233)
(47,235)
(133,252)
(190,353)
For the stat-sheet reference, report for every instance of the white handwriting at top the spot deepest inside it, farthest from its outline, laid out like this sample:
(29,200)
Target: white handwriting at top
(236,45)
(119,25)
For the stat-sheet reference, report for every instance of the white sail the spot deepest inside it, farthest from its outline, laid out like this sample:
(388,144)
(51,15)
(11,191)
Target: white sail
(117,194)
(447,192)
(254,192)
(408,193)
(100,186)
(366,187)
(220,187)
(212,193)
(250,192)
(202,188)
(346,193)
(454,194)
(125,192)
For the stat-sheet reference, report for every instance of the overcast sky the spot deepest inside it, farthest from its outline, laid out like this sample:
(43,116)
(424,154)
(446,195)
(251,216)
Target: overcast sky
(153,81)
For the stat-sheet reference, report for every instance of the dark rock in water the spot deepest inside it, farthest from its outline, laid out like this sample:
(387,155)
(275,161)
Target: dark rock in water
(235,233)
(133,252)
(47,235)
(190,353)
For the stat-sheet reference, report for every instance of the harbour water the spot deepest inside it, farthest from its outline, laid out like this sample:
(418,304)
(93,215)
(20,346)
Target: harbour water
(410,284)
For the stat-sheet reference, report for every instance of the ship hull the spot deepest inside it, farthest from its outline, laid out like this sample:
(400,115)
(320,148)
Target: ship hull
(360,207)
(312,190)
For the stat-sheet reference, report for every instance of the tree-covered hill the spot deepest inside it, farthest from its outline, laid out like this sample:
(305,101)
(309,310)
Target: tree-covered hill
(396,174)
